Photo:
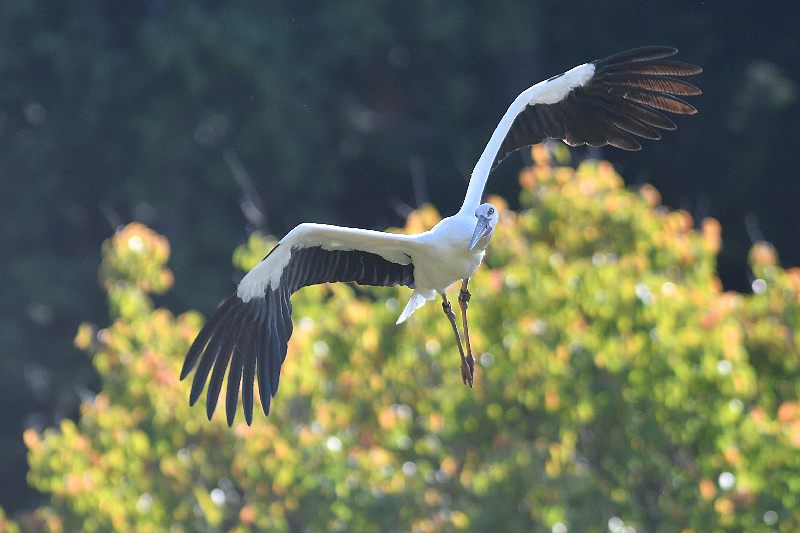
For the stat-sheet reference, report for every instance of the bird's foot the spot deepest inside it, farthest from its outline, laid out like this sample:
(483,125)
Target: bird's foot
(468,370)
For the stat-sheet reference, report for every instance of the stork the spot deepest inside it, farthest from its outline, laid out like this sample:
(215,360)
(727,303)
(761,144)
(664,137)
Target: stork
(604,102)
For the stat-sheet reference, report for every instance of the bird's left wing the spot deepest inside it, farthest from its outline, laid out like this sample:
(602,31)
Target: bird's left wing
(608,101)
(248,335)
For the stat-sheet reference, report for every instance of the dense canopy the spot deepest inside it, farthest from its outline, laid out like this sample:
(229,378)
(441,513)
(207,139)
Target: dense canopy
(619,386)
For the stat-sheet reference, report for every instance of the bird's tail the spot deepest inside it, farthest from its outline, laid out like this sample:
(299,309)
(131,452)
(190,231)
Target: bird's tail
(416,301)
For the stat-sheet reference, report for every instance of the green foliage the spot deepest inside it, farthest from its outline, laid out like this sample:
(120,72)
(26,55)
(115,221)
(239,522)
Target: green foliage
(6,525)
(617,385)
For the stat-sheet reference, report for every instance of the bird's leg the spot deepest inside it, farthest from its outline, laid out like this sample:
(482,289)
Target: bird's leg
(463,299)
(466,375)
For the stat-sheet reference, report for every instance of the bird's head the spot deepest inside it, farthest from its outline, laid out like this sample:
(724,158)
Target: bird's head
(487,220)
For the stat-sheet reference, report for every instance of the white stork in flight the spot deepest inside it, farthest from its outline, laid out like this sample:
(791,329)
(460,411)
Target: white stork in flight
(607,101)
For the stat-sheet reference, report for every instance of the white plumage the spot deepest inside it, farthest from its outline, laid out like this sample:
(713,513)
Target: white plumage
(268,272)
(607,101)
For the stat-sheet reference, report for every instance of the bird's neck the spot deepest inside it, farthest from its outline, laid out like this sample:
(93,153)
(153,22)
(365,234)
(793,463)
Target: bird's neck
(483,167)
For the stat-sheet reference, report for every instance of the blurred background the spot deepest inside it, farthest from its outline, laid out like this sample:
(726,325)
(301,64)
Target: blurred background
(208,120)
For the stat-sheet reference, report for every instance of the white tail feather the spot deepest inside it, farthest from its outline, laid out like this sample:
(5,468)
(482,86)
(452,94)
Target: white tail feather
(416,301)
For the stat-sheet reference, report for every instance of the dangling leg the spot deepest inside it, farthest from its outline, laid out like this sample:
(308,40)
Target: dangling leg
(463,298)
(466,375)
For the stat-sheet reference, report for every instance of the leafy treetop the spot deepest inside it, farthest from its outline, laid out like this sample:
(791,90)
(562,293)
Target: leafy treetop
(617,385)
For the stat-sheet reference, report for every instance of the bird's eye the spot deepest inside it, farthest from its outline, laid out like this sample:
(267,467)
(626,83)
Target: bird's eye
(491,210)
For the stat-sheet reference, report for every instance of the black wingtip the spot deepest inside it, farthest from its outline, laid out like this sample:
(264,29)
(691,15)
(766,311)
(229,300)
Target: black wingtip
(230,415)
(248,379)
(197,389)
(185,371)
(630,148)
(644,53)
(192,355)
(242,341)
(231,401)
(213,348)
(202,339)
(193,397)
(265,404)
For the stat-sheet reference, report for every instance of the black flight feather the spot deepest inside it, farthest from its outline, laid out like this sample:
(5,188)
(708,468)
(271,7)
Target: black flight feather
(623,98)
(249,340)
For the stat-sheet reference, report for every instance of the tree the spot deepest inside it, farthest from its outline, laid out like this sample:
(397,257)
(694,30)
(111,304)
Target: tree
(617,386)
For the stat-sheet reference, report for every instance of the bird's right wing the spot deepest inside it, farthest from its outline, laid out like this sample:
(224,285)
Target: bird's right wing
(620,99)
(249,333)
(607,101)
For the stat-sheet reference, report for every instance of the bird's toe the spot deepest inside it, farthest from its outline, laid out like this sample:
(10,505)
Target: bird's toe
(467,373)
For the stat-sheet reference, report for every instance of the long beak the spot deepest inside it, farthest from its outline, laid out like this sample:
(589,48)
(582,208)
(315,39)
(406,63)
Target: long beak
(482,229)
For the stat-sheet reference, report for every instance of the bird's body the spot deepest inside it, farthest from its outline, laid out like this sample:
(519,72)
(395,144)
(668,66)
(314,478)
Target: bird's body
(442,254)
(607,101)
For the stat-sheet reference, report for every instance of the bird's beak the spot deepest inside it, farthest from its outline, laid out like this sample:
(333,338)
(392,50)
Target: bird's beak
(482,229)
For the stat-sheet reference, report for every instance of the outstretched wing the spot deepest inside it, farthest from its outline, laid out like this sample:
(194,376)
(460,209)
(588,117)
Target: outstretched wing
(249,333)
(608,101)
(621,99)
